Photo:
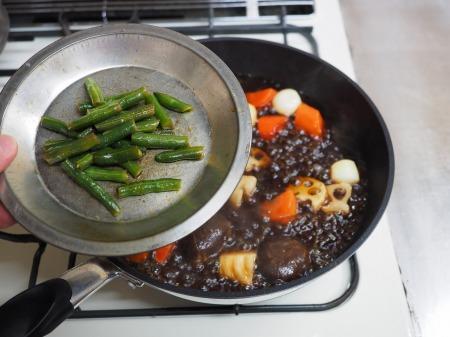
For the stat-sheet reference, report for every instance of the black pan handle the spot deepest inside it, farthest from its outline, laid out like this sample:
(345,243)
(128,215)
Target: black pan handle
(36,311)
(39,310)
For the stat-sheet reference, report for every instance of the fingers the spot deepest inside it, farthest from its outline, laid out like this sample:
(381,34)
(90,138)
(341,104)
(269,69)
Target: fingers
(6,219)
(8,151)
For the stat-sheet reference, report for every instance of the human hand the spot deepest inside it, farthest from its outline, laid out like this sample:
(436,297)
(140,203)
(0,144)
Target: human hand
(8,151)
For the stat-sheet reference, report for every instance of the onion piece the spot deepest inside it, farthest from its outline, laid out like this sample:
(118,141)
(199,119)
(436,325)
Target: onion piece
(253,114)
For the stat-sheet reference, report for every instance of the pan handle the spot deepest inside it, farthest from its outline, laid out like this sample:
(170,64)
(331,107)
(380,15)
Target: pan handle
(38,310)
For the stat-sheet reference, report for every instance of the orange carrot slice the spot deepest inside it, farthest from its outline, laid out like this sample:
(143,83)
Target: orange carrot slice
(138,258)
(269,126)
(309,120)
(162,255)
(261,98)
(282,209)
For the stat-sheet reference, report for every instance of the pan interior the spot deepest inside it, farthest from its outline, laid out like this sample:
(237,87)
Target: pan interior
(195,125)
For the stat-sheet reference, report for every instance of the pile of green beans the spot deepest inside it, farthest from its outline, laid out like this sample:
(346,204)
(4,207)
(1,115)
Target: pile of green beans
(109,140)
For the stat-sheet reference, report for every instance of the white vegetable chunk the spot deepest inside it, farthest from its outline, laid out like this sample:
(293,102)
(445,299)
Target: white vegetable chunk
(286,101)
(253,114)
(344,171)
(238,266)
(244,190)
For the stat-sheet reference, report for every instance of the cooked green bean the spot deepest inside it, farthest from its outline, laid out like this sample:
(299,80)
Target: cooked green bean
(85,132)
(96,115)
(154,141)
(127,143)
(147,125)
(172,103)
(136,114)
(84,106)
(94,189)
(164,132)
(84,161)
(133,167)
(108,156)
(105,111)
(58,126)
(149,186)
(164,119)
(113,135)
(71,149)
(107,174)
(94,91)
(189,153)
(55,143)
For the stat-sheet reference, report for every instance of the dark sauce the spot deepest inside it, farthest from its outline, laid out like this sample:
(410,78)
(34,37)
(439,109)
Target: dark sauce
(325,236)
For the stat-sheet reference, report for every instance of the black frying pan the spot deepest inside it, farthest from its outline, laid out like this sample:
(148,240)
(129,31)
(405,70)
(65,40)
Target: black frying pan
(356,125)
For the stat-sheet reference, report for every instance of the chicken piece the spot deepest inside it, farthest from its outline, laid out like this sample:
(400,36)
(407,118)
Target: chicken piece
(258,160)
(310,189)
(238,266)
(283,259)
(344,171)
(244,190)
(339,194)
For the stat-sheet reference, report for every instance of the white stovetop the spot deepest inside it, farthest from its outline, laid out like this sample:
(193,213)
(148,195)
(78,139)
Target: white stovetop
(377,309)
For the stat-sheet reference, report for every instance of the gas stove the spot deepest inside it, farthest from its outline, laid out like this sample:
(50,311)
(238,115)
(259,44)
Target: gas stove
(362,297)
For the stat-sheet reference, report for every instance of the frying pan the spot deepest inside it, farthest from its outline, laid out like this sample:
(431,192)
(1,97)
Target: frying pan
(356,125)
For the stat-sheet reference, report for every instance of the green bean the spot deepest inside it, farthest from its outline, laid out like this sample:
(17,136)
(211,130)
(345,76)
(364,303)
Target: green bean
(122,143)
(161,113)
(94,189)
(55,143)
(94,92)
(71,149)
(154,141)
(163,132)
(58,126)
(105,111)
(84,161)
(172,103)
(85,132)
(133,167)
(107,174)
(189,153)
(147,125)
(84,106)
(133,98)
(137,114)
(149,186)
(108,156)
(96,115)
(113,135)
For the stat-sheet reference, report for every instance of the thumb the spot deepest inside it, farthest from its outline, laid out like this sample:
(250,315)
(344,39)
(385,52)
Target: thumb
(8,151)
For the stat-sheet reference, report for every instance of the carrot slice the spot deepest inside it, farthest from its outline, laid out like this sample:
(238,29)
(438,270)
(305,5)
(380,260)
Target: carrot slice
(309,120)
(282,209)
(162,255)
(269,126)
(138,258)
(261,98)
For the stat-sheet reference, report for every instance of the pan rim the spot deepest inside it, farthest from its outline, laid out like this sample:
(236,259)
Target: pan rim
(118,248)
(219,297)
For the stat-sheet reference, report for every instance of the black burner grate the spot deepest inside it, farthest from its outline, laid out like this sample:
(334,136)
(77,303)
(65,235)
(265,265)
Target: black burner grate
(210,30)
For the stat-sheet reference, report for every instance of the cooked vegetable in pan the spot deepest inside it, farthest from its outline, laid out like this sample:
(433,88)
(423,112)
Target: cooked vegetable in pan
(116,131)
(296,208)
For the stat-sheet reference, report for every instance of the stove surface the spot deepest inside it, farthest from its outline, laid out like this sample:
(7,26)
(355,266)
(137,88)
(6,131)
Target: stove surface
(377,308)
